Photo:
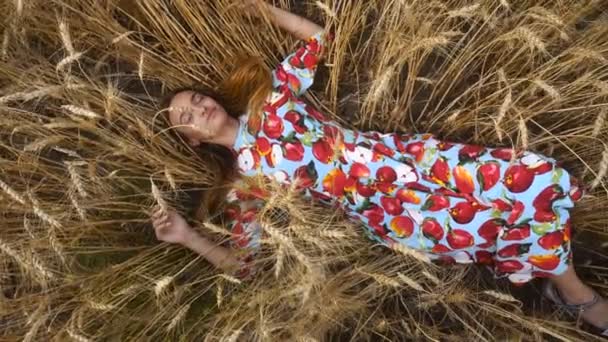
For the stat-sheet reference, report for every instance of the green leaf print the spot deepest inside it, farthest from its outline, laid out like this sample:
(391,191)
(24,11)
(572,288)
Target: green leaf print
(307,138)
(557,175)
(542,229)
(496,213)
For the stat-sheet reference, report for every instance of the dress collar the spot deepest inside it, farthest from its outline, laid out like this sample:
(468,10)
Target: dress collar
(241,132)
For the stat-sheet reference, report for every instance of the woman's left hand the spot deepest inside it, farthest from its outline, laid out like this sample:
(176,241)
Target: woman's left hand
(170,226)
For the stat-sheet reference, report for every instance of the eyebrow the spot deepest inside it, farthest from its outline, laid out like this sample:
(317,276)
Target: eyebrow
(192,97)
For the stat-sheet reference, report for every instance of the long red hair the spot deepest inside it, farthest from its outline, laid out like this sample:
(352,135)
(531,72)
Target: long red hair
(244,90)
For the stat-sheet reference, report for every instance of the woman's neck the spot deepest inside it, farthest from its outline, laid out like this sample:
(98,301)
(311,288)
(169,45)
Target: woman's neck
(231,132)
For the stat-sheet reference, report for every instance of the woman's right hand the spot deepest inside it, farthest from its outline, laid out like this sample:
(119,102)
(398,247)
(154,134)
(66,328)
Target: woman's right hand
(169,226)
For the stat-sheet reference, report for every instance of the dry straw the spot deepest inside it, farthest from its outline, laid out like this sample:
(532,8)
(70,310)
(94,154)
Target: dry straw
(179,316)
(603,168)
(501,296)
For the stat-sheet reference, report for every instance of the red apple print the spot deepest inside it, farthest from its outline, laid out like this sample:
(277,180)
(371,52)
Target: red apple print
(439,248)
(294,82)
(307,175)
(544,200)
(359,170)
(322,151)
(552,240)
(567,230)
(281,74)
(432,230)
(383,149)
(399,145)
(416,149)
(249,215)
(441,170)
(232,212)
(518,178)
(448,192)
(387,188)
(513,250)
(542,274)
(333,135)
(238,236)
(263,146)
(313,45)
(407,196)
(517,233)
(293,151)
(464,180)
(509,266)
(314,113)
(436,203)
(542,168)
(391,205)
(470,153)
(418,186)
(273,126)
(490,229)
(484,258)
(462,212)
(373,213)
(518,209)
(296,120)
(501,205)
(444,146)
(403,226)
(275,156)
(459,239)
(504,154)
(545,262)
(310,60)
(544,216)
(351,184)
(366,190)
(386,174)
(488,175)
(576,191)
(334,182)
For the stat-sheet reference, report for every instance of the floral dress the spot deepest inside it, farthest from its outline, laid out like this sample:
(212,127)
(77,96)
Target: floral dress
(502,207)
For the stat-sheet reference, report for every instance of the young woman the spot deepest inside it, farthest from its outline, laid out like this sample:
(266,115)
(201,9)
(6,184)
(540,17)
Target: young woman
(501,207)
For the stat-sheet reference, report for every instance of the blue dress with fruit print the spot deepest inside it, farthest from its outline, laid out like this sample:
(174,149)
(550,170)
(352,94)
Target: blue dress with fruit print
(502,207)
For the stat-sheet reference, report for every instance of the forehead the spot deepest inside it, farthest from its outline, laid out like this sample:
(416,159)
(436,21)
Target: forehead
(180,99)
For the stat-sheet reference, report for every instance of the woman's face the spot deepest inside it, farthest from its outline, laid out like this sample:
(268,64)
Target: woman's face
(199,117)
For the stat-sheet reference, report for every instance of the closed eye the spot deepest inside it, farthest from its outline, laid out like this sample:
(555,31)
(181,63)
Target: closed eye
(196,98)
(185,118)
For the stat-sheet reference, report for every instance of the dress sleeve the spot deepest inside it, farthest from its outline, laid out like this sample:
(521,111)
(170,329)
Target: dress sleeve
(240,218)
(297,71)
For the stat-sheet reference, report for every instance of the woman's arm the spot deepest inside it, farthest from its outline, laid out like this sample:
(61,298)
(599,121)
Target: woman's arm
(172,227)
(219,256)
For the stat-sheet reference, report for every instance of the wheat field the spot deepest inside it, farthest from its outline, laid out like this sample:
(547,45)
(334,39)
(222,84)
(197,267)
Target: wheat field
(84,156)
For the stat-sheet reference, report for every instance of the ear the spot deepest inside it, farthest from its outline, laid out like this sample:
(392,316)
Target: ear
(194,143)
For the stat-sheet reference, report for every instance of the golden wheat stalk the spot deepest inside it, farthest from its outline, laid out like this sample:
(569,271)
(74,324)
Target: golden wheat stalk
(12,193)
(158,197)
(161,284)
(420,256)
(501,296)
(502,112)
(431,277)
(76,178)
(523,132)
(28,95)
(599,123)
(410,282)
(68,60)
(179,316)
(464,12)
(77,337)
(81,112)
(603,169)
